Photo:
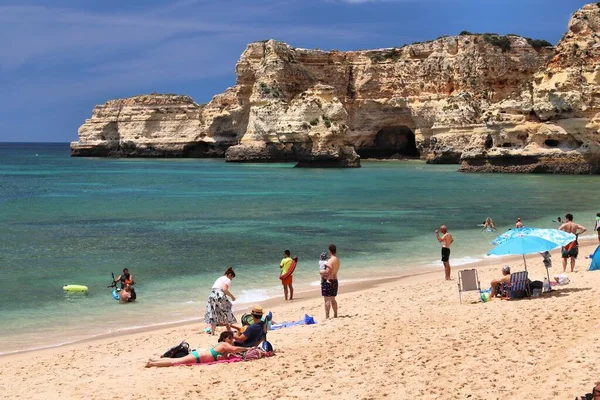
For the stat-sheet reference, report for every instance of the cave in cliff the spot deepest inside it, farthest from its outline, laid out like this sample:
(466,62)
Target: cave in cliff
(391,142)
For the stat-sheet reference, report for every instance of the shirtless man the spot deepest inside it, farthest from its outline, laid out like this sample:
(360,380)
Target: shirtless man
(518,224)
(572,249)
(329,287)
(446,240)
(496,284)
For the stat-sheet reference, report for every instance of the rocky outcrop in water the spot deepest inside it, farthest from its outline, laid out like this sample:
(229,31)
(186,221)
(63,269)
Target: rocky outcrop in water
(492,103)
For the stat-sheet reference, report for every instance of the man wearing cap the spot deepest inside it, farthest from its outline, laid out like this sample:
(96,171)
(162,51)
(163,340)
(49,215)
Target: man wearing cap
(254,334)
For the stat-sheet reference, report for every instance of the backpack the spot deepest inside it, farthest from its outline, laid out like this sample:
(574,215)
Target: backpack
(181,350)
(247,320)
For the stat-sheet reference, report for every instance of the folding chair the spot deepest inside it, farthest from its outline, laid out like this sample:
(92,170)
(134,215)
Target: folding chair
(519,283)
(468,280)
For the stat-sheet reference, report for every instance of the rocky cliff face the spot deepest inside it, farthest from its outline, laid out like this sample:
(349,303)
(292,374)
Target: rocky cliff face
(552,123)
(492,102)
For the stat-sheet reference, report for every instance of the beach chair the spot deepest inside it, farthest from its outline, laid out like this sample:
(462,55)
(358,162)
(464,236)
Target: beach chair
(468,280)
(518,287)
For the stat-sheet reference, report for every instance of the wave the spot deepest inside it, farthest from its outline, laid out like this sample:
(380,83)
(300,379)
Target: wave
(460,261)
(253,296)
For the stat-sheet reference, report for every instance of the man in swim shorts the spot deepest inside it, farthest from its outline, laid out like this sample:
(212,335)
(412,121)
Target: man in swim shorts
(446,240)
(572,249)
(285,265)
(329,287)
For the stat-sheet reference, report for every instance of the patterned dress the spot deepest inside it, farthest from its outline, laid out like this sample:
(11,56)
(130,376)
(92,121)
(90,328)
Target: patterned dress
(218,307)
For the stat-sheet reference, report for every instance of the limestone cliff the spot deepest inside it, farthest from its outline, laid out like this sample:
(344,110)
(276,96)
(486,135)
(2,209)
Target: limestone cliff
(552,123)
(490,101)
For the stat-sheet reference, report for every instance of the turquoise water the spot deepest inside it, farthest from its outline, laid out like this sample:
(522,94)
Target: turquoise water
(177,225)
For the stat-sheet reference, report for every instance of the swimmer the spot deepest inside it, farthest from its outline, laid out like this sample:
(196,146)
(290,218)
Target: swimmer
(488,225)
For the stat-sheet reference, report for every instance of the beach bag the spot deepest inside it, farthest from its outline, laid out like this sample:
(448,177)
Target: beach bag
(247,320)
(485,295)
(181,350)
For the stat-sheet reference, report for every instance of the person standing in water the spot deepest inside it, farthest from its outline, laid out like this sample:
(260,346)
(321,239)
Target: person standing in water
(488,225)
(519,224)
(446,240)
(597,225)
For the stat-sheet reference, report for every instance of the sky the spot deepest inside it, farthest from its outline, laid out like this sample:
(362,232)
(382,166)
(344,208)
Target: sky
(59,58)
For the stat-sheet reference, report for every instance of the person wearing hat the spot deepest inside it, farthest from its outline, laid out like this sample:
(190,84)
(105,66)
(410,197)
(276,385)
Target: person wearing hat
(496,284)
(255,333)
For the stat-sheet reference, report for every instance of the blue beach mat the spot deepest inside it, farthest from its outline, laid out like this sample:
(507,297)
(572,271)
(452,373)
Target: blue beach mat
(595,265)
(308,320)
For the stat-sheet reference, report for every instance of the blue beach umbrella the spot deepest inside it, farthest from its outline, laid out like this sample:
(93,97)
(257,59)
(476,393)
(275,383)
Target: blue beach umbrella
(557,236)
(523,245)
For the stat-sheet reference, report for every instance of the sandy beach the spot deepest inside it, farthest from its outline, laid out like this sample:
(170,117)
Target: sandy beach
(400,339)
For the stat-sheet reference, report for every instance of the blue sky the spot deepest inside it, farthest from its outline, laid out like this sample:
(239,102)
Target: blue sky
(59,58)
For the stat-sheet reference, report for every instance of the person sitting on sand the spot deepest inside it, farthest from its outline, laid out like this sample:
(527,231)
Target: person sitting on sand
(218,352)
(497,284)
(489,225)
(255,333)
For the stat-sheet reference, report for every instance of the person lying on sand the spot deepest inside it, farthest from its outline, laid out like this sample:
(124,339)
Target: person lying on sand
(496,284)
(221,351)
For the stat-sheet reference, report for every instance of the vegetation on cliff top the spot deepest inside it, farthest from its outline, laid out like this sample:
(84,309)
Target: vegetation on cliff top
(503,41)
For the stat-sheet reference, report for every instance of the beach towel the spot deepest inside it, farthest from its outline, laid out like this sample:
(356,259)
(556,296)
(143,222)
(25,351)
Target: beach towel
(252,354)
(231,359)
(308,320)
(595,265)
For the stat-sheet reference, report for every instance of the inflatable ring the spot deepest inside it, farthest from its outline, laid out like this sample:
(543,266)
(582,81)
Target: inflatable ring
(291,270)
(75,288)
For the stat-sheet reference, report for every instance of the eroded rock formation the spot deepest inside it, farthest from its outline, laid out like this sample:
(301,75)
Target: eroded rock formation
(496,103)
(552,123)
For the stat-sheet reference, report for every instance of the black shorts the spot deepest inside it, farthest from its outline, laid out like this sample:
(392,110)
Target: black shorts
(329,289)
(445,254)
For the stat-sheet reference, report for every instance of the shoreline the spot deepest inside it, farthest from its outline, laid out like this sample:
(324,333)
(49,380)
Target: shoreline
(310,294)
(353,286)
(401,337)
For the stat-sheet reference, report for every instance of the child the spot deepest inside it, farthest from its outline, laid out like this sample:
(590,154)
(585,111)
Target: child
(323,267)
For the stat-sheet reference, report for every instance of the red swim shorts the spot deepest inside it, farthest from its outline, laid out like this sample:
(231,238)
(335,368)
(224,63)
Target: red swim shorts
(287,281)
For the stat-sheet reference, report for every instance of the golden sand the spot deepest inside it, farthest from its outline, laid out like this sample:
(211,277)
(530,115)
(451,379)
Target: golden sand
(404,339)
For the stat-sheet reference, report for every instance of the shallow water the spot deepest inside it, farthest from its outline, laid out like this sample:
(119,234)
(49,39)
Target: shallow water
(177,224)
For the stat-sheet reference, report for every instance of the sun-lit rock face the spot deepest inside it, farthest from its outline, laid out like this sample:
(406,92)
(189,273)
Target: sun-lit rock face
(551,124)
(494,103)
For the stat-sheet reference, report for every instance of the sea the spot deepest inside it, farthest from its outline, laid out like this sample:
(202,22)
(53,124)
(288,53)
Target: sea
(177,224)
